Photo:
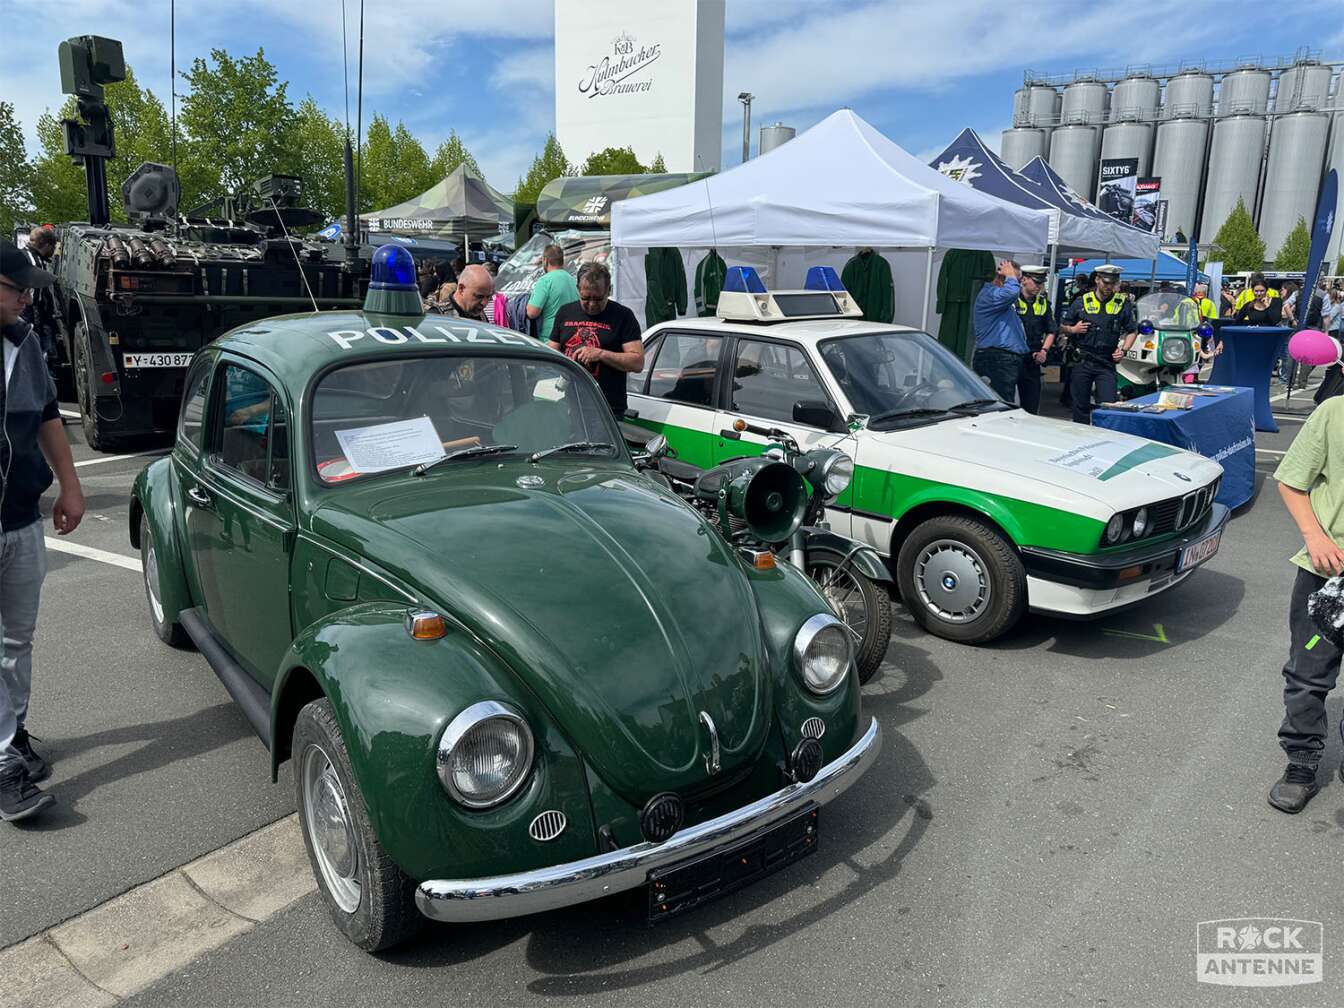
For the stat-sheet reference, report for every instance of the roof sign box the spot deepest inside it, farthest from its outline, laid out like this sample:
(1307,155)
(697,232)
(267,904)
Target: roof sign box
(745,299)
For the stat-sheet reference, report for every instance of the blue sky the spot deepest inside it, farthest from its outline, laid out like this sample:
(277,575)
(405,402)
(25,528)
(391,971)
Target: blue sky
(920,72)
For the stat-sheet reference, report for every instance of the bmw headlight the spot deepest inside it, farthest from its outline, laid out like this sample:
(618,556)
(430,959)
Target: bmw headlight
(822,653)
(1140,525)
(1115,528)
(837,473)
(484,755)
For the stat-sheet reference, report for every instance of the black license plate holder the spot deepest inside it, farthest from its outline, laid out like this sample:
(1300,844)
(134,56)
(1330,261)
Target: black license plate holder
(684,886)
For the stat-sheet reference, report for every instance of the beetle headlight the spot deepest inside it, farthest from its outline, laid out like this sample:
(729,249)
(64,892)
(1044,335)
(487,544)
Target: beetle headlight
(837,473)
(1140,522)
(1114,529)
(484,755)
(822,653)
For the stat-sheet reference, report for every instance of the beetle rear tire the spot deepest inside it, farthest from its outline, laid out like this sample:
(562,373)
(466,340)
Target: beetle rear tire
(371,900)
(862,604)
(168,631)
(961,579)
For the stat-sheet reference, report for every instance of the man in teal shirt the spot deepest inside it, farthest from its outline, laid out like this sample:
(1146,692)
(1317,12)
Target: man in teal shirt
(555,288)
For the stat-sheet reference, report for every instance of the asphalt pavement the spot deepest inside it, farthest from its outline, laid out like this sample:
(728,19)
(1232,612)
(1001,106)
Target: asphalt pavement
(1050,818)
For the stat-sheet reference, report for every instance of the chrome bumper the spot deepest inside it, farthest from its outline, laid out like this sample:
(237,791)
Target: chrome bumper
(463,900)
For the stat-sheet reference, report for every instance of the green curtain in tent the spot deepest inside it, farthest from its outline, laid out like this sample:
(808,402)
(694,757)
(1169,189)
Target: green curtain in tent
(867,277)
(666,281)
(959,278)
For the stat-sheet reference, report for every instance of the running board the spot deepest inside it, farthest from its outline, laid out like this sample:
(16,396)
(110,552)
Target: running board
(247,693)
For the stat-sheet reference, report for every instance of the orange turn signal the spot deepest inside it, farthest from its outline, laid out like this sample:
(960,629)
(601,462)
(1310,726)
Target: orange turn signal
(739,425)
(426,625)
(759,559)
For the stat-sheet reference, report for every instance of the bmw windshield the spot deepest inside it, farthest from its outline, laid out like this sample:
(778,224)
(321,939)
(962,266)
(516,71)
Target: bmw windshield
(899,378)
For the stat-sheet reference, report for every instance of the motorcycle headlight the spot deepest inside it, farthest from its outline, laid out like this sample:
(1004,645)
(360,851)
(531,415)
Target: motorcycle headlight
(484,755)
(1176,350)
(1114,529)
(837,473)
(822,653)
(1140,522)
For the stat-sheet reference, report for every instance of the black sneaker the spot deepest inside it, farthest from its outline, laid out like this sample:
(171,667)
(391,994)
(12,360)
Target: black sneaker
(19,796)
(38,769)
(1294,789)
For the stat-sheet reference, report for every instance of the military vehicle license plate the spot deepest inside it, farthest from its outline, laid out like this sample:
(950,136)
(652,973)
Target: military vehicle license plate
(1197,552)
(155,360)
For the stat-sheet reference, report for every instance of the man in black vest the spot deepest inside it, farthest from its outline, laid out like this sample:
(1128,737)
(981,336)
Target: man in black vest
(1038,324)
(1102,326)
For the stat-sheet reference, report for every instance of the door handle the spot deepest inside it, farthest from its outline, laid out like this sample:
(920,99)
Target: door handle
(199,497)
(732,435)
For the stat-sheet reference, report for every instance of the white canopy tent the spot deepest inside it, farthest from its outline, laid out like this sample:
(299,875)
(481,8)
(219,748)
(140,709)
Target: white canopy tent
(816,200)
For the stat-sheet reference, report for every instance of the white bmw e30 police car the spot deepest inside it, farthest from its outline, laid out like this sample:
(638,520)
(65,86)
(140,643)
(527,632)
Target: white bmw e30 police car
(981,509)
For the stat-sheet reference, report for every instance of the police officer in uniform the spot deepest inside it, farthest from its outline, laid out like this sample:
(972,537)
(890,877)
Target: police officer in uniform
(1039,327)
(1102,325)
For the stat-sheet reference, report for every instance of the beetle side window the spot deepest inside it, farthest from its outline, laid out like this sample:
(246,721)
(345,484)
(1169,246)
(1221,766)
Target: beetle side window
(684,369)
(252,422)
(768,378)
(193,405)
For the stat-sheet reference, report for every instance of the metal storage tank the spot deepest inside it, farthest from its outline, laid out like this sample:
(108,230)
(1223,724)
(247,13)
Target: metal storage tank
(1244,92)
(1234,170)
(1020,145)
(1336,246)
(1129,140)
(1296,157)
(1178,160)
(1302,88)
(773,136)
(1084,102)
(1073,154)
(1020,107)
(1189,93)
(1135,98)
(1040,105)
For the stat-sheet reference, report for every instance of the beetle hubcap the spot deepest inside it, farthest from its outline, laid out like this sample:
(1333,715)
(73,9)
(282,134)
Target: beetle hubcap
(330,830)
(952,581)
(152,577)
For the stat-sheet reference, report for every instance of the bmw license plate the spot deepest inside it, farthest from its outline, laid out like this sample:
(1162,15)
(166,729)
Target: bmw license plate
(1197,552)
(155,360)
(681,887)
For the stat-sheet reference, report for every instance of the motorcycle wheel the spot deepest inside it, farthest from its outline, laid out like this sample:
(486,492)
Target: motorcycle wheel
(861,604)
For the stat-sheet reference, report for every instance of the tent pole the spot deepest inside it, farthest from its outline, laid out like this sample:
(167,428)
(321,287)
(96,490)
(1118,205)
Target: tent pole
(1050,277)
(928,286)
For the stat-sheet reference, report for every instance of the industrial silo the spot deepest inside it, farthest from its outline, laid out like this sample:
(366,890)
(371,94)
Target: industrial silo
(1040,105)
(1129,140)
(1189,94)
(1234,170)
(1020,107)
(1244,92)
(1084,102)
(1296,156)
(1336,246)
(1135,97)
(1021,145)
(1178,160)
(773,136)
(1073,154)
(1304,87)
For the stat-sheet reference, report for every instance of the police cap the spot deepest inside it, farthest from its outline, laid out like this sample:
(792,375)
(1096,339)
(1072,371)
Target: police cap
(1035,272)
(1108,272)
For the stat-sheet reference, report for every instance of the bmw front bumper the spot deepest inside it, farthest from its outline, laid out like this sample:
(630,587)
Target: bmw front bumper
(464,900)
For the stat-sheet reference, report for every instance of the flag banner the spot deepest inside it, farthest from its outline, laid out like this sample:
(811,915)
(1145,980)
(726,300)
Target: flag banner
(1115,187)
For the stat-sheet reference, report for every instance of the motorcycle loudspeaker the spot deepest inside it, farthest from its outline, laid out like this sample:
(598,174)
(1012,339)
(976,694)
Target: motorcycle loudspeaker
(769,496)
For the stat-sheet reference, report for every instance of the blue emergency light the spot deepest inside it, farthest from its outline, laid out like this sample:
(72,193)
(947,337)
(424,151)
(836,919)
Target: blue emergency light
(742,280)
(822,278)
(1204,331)
(392,284)
(1146,328)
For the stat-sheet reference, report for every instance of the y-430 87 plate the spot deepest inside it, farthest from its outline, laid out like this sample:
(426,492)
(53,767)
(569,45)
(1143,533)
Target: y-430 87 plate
(684,886)
(155,360)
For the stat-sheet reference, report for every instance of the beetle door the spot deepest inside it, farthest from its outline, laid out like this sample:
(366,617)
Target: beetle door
(244,528)
(191,427)
(674,394)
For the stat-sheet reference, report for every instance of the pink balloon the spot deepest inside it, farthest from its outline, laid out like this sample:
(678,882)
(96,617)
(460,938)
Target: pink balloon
(1313,348)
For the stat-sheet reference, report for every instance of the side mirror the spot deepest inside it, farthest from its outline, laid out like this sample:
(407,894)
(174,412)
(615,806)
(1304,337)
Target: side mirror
(816,413)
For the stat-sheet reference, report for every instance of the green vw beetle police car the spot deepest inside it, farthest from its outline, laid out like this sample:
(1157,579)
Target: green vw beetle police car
(512,671)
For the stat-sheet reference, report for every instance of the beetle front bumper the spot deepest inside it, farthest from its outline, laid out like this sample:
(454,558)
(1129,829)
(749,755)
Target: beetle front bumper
(464,900)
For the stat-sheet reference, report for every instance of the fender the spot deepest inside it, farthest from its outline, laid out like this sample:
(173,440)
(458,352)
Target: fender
(972,500)
(154,495)
(862,557)
(393,696)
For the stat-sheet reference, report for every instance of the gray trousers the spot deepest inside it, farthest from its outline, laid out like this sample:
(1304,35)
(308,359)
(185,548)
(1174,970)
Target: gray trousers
(1308,677)
(23,565)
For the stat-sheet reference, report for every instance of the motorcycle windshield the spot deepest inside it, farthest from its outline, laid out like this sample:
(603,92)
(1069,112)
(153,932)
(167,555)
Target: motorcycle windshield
(1168,311)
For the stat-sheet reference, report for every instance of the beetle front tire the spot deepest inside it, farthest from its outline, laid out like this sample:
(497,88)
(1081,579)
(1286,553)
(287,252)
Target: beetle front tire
(371,900)
(168,631)
(961,579)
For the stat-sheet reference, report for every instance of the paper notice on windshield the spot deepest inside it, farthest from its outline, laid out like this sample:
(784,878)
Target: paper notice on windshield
(1106,458)
(390,445)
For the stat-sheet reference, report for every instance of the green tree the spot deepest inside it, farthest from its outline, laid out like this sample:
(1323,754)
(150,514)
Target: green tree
(16,174)
(238,124)
(1296,248)
(317,156)
(613,161)
(451,153)
(658,167)
(1237,243)
(394,166)
(550,164)
(1339,267)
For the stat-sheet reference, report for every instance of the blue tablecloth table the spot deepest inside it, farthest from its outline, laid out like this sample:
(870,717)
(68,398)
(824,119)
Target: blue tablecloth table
(1246,360)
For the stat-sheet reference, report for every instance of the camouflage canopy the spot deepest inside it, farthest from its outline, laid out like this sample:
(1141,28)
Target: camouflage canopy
(462,204)
(586,199)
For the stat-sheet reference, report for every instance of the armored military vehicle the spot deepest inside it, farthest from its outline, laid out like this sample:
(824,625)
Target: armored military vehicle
(135,302)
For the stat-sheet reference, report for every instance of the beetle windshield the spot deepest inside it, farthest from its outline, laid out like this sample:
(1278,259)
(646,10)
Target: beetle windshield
(898,376)
(385,415)
(1168,311)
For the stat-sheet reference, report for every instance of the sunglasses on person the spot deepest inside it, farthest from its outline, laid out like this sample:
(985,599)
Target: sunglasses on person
(22,291)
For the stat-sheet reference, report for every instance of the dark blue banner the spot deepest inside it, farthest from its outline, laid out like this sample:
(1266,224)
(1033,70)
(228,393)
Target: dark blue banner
(1191,267)
(1320,235)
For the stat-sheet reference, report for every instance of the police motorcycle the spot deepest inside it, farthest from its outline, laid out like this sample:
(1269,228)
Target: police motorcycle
(774,507)
(1170,335)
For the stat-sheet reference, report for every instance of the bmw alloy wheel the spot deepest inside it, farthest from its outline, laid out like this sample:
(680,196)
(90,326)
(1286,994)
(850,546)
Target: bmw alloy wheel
(952,581)
(331,831)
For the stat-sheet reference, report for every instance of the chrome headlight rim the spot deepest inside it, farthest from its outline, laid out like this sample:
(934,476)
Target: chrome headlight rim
(1139,524)
(803,639)
(837,470)
(459,728)
(1115,529)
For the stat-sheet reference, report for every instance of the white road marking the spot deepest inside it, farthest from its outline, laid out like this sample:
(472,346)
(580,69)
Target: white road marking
(116,458)
(90,553)
(1268,451)
(1297,391)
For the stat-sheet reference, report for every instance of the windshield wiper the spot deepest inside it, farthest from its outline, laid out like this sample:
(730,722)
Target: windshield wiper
(574,446)
(971,403)
(901,414)
(493,449)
